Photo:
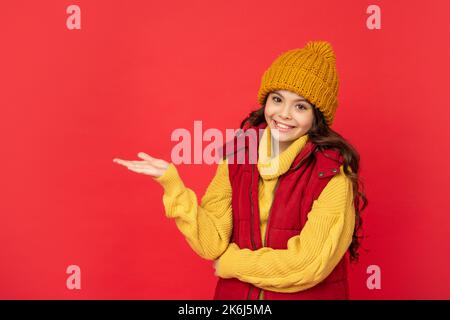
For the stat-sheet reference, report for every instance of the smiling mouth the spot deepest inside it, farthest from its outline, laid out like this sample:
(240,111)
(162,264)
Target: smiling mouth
(282,127)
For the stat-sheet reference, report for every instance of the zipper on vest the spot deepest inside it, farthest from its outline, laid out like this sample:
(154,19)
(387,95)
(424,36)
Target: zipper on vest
(251,227)
(267,227)
(249,291)
(268,218)
(270,211)
(251,213)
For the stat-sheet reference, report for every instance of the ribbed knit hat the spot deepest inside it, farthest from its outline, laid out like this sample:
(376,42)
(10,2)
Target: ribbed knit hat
(310,72)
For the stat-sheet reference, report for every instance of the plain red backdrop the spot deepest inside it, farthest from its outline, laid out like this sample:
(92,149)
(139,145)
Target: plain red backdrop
(72,100)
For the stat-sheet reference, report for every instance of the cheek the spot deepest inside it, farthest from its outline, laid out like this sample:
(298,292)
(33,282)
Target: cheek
(267,115)
(268,111)
(305,121)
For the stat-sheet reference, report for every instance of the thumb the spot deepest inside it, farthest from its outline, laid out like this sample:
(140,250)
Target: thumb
(156,162)
(145,156)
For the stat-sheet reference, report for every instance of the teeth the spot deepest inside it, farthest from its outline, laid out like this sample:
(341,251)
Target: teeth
(282,125)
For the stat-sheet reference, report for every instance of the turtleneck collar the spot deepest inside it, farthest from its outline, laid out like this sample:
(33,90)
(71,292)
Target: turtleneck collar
(271,167)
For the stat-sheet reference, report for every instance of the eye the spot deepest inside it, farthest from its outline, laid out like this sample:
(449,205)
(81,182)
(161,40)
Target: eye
(301,107)
(274,99)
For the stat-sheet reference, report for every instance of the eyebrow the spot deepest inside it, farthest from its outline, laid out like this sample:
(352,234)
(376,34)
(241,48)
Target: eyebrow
(299,99)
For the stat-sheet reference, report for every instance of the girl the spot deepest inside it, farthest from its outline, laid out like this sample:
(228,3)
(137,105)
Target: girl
(280,228)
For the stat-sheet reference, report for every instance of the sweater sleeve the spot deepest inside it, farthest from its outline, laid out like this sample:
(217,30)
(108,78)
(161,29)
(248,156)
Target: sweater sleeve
(206,227)
(310,256)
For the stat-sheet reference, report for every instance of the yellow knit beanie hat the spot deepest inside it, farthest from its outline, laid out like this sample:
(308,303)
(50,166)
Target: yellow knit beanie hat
(310,72)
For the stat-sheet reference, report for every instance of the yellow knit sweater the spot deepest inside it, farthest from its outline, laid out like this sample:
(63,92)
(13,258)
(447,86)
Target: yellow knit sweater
(310,256)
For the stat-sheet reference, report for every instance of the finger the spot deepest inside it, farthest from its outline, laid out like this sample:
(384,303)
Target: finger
(146,166)
(120,161)
(152,173)
(142,165)
(157,162)
(129,162)
(145,156)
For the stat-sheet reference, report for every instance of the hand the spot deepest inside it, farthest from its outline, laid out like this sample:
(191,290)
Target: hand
(225,261)
(215,265)
(149,166)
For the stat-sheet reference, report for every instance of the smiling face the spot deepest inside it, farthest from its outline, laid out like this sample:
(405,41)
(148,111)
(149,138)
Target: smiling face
(290,114)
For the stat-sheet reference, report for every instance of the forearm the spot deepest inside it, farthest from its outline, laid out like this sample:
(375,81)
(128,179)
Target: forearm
(206,227)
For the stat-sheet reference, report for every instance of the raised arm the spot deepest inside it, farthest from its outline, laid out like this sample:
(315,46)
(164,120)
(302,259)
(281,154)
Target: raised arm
(207,227)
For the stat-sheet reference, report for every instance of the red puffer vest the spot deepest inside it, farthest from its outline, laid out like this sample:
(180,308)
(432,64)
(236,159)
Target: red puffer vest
(294,195)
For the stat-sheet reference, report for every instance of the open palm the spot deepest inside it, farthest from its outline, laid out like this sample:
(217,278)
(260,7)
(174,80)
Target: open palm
(148,165)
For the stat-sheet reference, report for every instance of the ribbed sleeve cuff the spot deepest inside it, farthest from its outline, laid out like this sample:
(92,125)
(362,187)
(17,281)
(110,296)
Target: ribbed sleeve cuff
(171,181)
(227,262)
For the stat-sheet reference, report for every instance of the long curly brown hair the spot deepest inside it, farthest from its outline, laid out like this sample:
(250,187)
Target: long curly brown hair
(326,138)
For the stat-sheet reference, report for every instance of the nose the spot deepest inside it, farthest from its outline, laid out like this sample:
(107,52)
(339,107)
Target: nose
(285,114)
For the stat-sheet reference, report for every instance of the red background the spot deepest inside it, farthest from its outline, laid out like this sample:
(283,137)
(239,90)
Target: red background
(72,100)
